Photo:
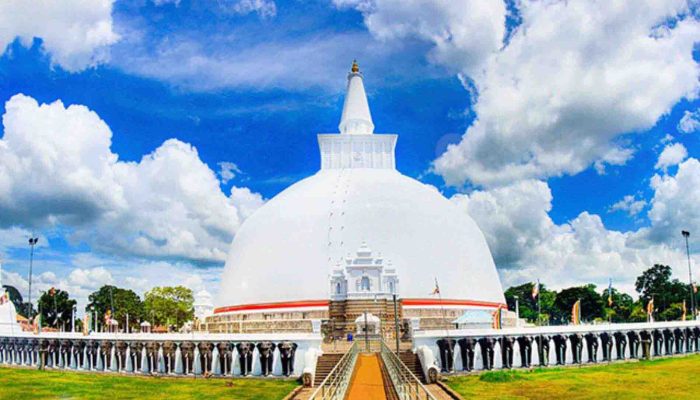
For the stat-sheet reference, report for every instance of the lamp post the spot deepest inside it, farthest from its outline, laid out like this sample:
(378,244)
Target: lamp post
(32,242)
(686,234)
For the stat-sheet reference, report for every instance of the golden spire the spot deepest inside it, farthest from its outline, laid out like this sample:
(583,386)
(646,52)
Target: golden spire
(355,68)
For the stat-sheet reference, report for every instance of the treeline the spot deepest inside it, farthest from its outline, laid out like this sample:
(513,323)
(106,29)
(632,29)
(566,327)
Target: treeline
(169,306)
(607,305)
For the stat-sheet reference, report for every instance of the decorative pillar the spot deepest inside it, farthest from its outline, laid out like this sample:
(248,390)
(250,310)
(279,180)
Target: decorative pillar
(101,356)
(234,358)
(61,358)
(86,357)
(113,366)
(277,362)
(129,364)
(161,359)
(73,357)
(197,361)
(144,360)
(178,360)
(215,361)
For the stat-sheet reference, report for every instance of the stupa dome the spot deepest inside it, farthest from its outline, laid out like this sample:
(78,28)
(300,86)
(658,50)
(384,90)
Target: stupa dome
(285,254)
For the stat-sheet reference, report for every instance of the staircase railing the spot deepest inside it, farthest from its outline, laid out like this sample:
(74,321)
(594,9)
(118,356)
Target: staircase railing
(336,383)
(406,384)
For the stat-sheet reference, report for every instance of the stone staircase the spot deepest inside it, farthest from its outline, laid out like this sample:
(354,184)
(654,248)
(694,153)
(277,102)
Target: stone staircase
(412,363)
(324,366)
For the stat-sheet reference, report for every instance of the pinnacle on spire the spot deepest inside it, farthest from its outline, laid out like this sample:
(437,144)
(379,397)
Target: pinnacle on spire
(356,118)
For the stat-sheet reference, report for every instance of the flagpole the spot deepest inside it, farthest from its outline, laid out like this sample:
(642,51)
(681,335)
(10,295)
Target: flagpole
(442,307)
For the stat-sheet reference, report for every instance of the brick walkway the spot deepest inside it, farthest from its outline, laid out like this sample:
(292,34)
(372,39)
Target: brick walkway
(367,382)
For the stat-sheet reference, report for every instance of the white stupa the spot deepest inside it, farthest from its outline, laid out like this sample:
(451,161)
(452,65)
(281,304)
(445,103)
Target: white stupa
(357,226)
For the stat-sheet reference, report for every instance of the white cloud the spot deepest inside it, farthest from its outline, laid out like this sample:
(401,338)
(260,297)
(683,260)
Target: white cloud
(245,201)
(464,33)
(264,8)
(57,169)
(629,204)
(75,33)
(528,245)
(672,154)
(196,64)
(513,218)
(574,77)
(675,205)
(90,278)
(228,171)
(690,122)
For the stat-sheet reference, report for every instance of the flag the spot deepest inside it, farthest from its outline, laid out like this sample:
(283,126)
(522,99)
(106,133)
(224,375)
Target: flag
(576,313)
(108,316)
(695,288)
(436,290)
(536,289)
(685,311)
(610,300)
(4,298)
(497,323)
(37,324)
(52,292)
(650,307)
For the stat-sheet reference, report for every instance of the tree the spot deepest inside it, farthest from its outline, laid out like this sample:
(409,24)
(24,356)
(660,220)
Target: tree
(169,305)
(638,313)
(119,301)
(656,282)
(528,304)
(672,313)
(56,308)
(621,308)
(591,303)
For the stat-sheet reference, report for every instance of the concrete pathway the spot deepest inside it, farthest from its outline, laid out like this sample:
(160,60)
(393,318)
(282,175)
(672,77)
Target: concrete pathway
(367,381)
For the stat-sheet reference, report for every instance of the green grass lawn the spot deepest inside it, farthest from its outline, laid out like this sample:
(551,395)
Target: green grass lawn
(669,378)
(16,383)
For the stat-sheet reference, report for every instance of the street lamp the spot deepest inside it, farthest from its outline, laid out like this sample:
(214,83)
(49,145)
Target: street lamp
(32,243)
(686,234)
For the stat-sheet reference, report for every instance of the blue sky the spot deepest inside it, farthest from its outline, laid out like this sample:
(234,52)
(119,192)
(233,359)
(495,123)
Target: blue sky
(251,82)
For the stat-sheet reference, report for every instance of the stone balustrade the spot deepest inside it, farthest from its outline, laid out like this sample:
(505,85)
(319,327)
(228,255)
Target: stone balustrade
(488,349)
(152,354)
